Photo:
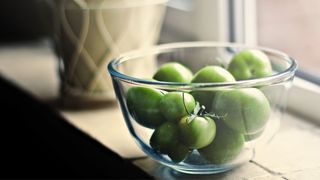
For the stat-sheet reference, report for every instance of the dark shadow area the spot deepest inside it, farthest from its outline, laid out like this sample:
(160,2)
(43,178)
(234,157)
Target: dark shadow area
(23,20)
(36,142)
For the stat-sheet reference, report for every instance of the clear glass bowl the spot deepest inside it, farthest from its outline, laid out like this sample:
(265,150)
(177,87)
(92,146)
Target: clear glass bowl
(196,55)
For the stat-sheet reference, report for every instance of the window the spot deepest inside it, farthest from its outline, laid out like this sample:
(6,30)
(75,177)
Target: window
(293,27)
(190,20)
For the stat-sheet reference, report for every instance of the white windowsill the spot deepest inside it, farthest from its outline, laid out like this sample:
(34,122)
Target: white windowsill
(304,99)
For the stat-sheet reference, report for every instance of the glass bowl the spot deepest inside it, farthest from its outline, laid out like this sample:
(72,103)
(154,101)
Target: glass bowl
(246,113)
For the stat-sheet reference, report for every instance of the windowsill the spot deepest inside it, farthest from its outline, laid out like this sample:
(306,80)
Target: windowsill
(293,153)
(304,98)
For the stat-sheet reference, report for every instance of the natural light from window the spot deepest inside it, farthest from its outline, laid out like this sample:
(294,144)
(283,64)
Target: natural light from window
(293,27)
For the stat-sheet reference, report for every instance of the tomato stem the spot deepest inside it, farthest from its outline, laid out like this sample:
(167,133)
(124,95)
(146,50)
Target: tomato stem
(202,110)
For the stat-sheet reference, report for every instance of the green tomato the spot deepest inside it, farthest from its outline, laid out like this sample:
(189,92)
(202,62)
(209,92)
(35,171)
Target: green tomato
(165,137)
(244,110)
(225,147)
(175,105)
(249,64)
(173,72)
(143,104)
(209,74)
(179,153)
(196,132)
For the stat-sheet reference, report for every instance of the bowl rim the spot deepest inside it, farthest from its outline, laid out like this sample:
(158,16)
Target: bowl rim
(279,77)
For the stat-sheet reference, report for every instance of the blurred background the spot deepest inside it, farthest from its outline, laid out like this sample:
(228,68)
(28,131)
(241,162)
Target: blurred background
(290,26)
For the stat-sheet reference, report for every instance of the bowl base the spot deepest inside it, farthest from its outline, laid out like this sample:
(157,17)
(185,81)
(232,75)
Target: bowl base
(201,171)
